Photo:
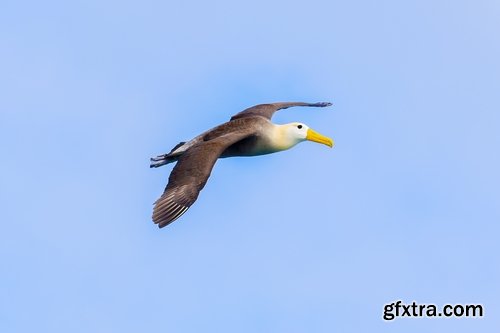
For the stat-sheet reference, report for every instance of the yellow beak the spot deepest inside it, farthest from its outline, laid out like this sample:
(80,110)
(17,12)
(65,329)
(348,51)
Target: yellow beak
(316,137)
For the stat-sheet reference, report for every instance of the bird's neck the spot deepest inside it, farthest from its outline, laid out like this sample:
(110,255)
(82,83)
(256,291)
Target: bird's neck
(281,138)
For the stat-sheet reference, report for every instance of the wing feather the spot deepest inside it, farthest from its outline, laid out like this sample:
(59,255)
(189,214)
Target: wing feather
(267,110)
(191,173)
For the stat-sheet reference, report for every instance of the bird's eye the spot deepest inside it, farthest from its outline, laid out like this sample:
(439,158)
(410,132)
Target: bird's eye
(299,126)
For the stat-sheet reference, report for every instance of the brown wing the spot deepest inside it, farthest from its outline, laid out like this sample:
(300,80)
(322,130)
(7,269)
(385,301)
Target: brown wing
(190,175)
(267,110)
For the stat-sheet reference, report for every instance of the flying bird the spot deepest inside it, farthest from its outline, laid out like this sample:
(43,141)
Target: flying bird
(248,133)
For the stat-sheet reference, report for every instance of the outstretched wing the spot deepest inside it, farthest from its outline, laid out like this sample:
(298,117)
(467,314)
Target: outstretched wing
(190,174)
(267,110)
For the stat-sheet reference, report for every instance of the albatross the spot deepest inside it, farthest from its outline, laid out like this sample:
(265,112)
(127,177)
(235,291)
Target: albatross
(248,133)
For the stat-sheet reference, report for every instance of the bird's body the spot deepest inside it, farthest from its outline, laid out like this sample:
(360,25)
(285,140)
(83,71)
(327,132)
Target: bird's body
(248,133)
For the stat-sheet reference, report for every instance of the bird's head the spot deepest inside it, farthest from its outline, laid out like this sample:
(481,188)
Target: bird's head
(295,133)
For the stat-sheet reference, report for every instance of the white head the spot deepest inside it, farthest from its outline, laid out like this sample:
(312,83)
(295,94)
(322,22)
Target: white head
(293,133)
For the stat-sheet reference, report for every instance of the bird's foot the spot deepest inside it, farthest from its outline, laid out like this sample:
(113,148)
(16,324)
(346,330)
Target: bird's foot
(158,161)
(158,158)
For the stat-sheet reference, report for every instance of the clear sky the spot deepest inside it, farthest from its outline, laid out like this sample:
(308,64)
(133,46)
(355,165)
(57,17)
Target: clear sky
(405,207)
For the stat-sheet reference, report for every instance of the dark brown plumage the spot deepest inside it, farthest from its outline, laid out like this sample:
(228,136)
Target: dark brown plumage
(192,170)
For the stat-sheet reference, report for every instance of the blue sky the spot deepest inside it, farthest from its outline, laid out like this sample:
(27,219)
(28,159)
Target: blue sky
(406,206)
